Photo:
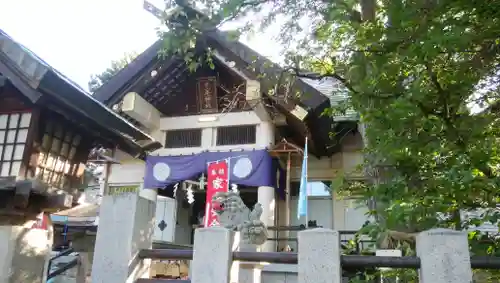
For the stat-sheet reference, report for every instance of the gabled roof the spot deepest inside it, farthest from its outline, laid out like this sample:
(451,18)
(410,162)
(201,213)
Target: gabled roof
(36,78)
(335,91)
(108,92)
(285,146)
(112,87)
(319,94)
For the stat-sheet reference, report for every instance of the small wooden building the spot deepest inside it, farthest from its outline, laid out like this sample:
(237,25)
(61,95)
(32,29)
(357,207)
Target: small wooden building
(48,126)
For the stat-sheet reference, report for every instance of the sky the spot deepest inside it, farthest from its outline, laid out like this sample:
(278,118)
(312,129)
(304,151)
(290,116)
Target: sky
(82,37)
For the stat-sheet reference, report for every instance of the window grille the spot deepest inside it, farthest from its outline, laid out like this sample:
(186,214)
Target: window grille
(13,134)
(183,138)
(57,162)
(236,135)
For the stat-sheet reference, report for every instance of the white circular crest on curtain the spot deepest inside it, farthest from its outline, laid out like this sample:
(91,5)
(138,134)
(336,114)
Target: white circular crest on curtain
(242,168)
(161,171)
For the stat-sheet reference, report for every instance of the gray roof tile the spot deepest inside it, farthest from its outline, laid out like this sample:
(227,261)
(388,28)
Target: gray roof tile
(336,92)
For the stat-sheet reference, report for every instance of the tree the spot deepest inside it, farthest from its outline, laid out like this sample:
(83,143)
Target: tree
(96,81)
(415,71)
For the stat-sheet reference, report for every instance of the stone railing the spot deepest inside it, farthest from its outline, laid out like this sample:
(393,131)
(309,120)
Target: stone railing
(443,257)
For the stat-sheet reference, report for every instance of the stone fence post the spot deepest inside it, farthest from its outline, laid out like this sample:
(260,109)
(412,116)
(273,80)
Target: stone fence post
(212,255)
(319,256)
(444,256)
(24,254)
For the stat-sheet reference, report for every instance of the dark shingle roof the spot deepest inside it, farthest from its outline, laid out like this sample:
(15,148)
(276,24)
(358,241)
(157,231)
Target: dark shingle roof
(318,95)
(337,94)
(37,75)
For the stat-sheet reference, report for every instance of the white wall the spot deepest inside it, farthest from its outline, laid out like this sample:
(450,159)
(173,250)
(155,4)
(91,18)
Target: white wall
(328,212)
(318,208)
(166,210)
(349,215)
(264,131)
(338,214)
(346,161)
(130,170)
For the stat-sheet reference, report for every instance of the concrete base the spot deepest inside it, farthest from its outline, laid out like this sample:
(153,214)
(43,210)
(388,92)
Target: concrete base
(126,225)
(24,254)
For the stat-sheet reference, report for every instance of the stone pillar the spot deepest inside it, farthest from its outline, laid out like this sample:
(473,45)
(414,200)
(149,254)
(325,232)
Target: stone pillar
(319,256)
(265,134)
(125,227)
(245,272)
(266,197)
(444,256)
(24,254)
(212,256)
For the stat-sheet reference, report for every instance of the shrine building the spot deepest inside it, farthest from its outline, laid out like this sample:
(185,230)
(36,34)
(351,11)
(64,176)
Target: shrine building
(48,127)
(227,112)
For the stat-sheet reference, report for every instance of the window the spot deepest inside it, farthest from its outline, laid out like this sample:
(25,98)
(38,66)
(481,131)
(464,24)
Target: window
(318,189)
(13,134)
(314,189)
(236,135)
(57,162)
(183,138)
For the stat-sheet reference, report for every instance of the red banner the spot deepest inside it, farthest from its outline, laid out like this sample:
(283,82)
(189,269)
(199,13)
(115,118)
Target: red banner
(217,181)
(42,222)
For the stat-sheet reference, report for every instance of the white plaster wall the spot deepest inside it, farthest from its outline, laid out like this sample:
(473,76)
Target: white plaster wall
(264,131)
(130,170)
(328,212)
(166,210)
(127,173)
(223,120)
(318,208)
(331,213)
(328,168)
(347,161)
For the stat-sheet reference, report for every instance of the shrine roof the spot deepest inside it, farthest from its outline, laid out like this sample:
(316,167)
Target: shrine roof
(318,95)
(35,79)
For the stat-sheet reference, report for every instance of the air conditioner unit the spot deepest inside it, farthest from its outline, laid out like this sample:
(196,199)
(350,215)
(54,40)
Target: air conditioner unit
(252,90)
(142,111)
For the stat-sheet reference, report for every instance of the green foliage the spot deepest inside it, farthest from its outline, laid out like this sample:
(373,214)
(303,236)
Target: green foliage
(96,81)
(413,71)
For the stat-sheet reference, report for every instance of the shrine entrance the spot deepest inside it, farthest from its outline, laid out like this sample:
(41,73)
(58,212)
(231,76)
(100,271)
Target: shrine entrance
(255,174)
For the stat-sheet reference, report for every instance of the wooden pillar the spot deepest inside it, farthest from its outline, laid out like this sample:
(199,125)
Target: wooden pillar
(288,193)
